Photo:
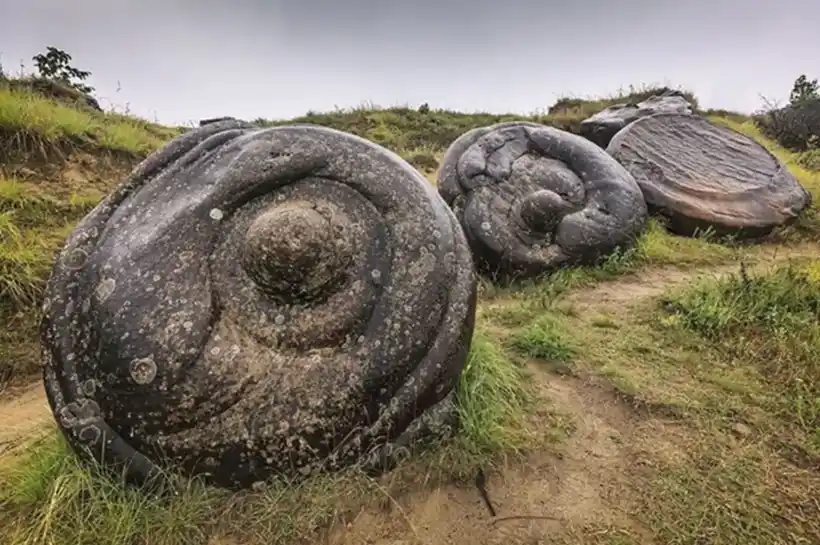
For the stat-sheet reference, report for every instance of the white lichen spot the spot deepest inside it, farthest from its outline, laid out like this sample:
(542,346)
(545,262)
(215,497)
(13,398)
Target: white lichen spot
(216,214)
(215,351)
(279,320)
(485,225)
(76,259)
(89,387)
(143,370)
(105,288)
(187,325)
(376,275)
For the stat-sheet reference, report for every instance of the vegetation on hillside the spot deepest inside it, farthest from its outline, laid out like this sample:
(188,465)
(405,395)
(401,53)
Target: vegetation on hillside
(730,364)
(796,126)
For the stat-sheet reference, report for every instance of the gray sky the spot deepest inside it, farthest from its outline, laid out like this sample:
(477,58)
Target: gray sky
(182,60)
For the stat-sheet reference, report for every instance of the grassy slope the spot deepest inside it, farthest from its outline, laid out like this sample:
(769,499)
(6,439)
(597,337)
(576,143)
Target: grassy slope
(58,161)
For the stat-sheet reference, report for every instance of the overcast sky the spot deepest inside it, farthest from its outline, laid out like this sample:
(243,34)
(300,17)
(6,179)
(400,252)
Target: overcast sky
(182,60)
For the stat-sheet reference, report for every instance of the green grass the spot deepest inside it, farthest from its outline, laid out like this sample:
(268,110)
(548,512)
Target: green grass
(33,225)
(492,402)
(50,497)
(421,136)
(34,125)
(544,339)
(709,357)
(728,368)
(772,319)
(65,502)
(758,491)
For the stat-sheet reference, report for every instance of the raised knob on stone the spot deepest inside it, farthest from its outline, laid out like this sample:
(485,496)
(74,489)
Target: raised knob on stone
(543,210)
(294,252)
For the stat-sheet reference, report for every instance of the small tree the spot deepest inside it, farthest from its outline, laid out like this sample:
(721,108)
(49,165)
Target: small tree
(55,65)
(803,90)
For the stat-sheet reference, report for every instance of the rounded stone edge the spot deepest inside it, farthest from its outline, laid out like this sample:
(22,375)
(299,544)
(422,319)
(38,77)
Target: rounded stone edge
(450,189)
(691,226)
(63,392)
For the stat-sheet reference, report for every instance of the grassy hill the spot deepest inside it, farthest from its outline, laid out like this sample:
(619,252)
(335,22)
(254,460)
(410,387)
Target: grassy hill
(671,395)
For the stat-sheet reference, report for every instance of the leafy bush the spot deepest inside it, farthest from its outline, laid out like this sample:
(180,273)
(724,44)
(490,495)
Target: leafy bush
(797,126)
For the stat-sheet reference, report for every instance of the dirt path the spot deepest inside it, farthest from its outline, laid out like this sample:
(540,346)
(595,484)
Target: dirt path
(653,281)
(24,416)
(582,493)
(556,494)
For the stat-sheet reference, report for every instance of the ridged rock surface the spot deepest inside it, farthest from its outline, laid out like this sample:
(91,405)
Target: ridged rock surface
(601,127)
(533,198)
(705,176)
(253,302)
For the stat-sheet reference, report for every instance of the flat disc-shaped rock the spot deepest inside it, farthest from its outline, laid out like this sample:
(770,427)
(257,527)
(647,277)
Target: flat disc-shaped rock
(601,127)
(701,175)
(532,198)
(259,301)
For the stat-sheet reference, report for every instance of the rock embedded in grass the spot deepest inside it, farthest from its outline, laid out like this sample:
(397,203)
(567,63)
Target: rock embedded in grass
(255,302)
(601,127)
(533,198)
(704,176)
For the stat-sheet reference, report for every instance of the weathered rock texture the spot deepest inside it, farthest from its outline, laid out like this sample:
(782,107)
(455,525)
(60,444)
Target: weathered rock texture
(209,120)
(701,175)
(601,127)
(259,301)
(532,198)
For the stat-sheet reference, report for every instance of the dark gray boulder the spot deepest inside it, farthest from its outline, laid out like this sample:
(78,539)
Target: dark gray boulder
(533,198)
(701,176)
(252,302)
(601,127)
(209,120)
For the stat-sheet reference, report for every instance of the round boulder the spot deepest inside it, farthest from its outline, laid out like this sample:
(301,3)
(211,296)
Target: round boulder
(533,198)
(703,176)
(252,302)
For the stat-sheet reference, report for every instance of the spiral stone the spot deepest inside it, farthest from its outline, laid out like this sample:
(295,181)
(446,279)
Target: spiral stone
(533,198)
(704,177)
(259,301)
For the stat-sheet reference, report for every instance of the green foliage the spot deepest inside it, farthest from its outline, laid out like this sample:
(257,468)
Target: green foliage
(425,128)
(772,319)
(795,127)
(810,159)
(804,89)
(544,339)
(55,64)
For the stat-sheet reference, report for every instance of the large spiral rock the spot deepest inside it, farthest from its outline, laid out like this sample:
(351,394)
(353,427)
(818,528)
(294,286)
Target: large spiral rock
(256,301)
(533,198)
(703,176)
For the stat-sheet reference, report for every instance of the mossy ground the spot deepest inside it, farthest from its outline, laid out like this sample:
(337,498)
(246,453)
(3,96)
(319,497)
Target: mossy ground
(722,368)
